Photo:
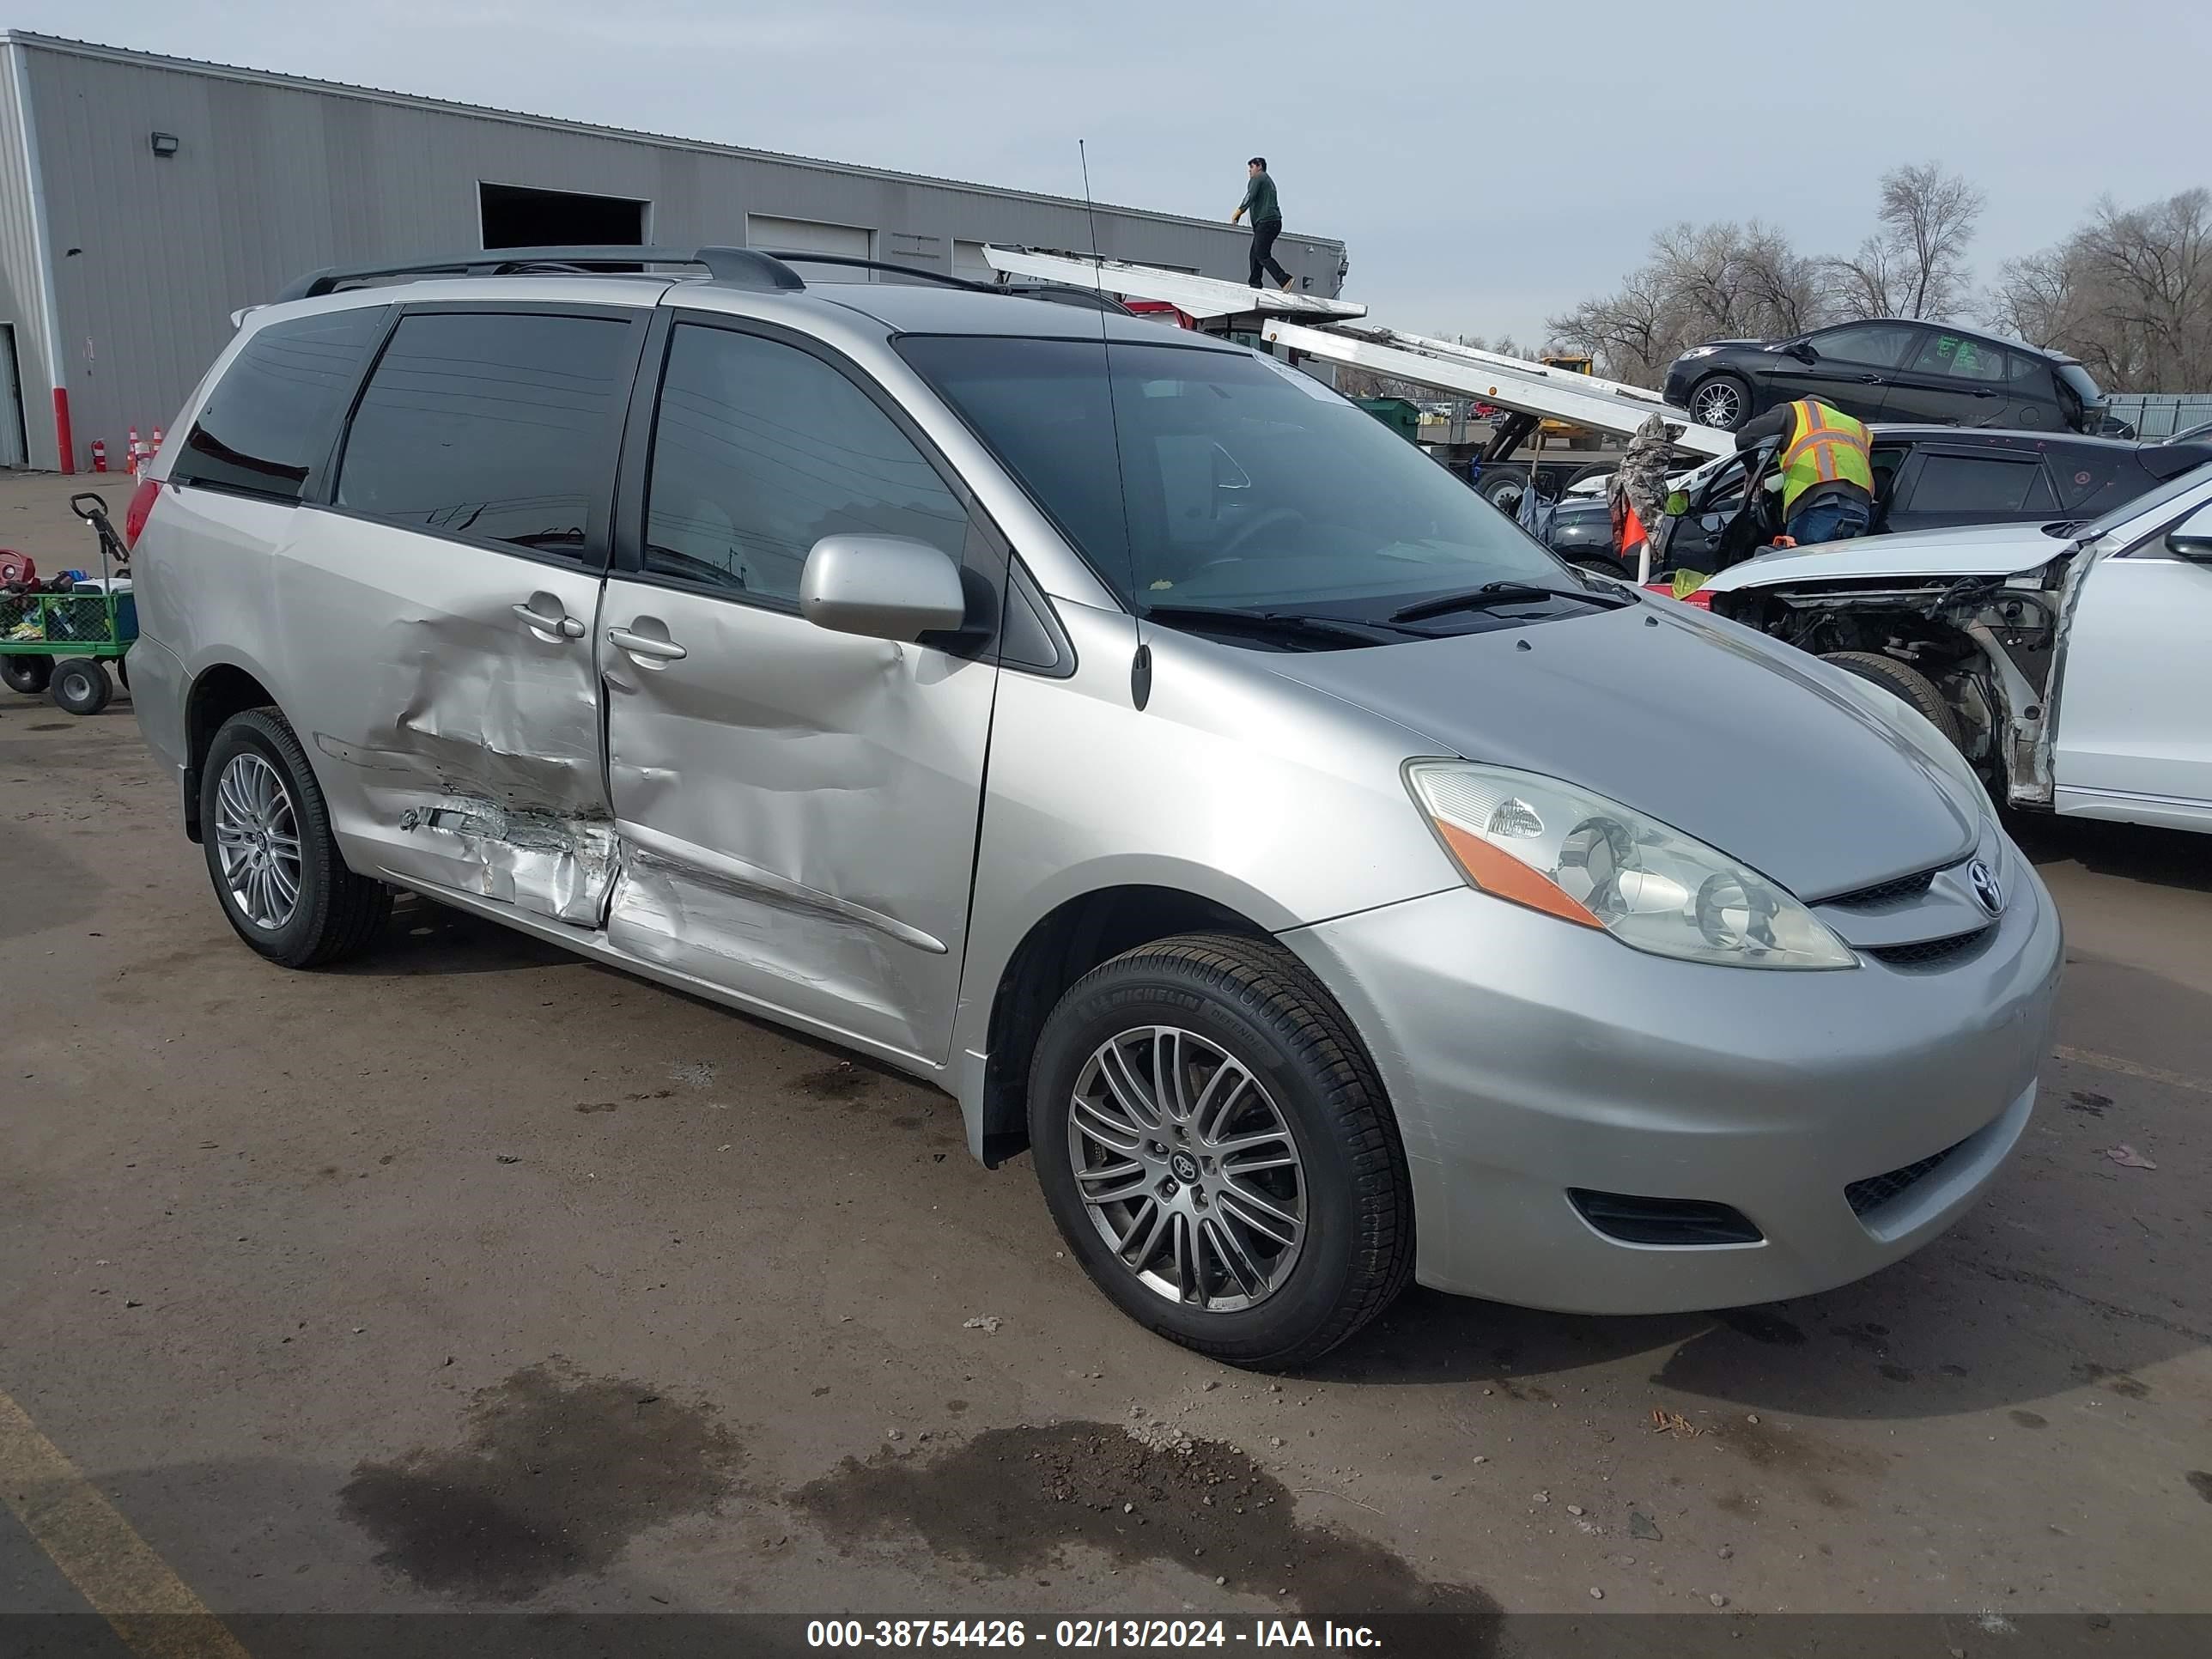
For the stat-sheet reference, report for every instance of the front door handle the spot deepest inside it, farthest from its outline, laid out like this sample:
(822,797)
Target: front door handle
(564,625)
(640,645)
(1871,380)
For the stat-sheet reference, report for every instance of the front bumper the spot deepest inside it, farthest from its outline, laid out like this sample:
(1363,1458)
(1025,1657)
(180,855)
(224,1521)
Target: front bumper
(1677,389)
(1525,1056)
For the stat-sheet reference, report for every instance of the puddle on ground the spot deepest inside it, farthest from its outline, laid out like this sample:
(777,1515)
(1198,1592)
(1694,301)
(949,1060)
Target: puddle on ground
(558,1473)
(1010,1498)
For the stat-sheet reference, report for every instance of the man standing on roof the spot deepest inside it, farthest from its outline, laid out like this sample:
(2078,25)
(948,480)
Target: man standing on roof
(1824,469)
(1266,222)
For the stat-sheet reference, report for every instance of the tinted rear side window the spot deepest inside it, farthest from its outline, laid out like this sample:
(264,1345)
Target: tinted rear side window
(1980,483)
(270,419)
(498,426)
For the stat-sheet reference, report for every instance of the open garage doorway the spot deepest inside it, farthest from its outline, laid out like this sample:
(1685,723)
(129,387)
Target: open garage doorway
(516,217)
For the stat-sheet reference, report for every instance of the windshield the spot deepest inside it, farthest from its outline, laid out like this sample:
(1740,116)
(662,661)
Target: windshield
(1241,483)
(2128,512)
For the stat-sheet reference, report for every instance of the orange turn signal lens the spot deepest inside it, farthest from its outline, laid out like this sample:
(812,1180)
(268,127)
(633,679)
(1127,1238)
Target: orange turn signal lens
(1506,877)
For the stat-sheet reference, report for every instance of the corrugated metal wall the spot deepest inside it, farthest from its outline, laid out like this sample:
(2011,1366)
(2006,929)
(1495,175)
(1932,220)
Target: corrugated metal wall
(19,303)
(273,179)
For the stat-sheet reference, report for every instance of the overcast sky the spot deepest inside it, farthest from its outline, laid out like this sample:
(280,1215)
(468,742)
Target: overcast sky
(1489,165)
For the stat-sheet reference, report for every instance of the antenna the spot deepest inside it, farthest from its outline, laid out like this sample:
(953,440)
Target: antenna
(1090,212)
(1140,664)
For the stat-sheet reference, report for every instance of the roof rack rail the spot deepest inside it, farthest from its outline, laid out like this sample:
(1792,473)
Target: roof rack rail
(1065,293)
(731,267)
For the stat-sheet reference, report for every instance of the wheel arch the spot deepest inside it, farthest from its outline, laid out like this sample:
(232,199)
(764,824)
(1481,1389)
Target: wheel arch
(1058,948)
(218,690)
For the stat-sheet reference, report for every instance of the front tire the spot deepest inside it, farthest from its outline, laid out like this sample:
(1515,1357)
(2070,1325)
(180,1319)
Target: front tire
(277,872)
(1215,1146)
(1722,401)
(1906,681)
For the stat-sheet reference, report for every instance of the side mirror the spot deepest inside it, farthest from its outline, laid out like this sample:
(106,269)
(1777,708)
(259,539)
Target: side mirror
(883,587)
(2191,539)
(1803,352)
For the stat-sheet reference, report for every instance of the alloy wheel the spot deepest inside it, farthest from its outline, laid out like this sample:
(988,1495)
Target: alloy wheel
(1717,404)
(1188,1169)
(258,839)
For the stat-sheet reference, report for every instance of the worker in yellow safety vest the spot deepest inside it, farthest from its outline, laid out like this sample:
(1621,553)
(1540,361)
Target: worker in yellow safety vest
(1824,470)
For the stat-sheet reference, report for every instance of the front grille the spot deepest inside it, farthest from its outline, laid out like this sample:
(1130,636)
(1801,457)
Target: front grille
(1677,1221)
(1928,952)
(1887,892)
(1875,1191)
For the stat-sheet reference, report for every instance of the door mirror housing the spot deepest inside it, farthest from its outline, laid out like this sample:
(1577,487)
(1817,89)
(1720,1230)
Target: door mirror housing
(2191,539)
(882,587)
(1803,352)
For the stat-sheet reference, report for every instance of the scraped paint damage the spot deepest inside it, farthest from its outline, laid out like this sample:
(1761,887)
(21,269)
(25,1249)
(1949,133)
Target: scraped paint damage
(700,921)
(556,865)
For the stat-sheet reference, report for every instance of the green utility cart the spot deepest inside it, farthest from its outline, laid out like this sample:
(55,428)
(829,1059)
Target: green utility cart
(60,643)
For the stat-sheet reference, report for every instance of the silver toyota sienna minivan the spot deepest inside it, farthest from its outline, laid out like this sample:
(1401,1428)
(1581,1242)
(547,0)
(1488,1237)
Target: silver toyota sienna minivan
(1114,727)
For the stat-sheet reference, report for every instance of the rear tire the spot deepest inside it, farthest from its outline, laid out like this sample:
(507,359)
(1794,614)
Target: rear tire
(277,872)
(1504,491)
(28,675)
(81,686)
(1298,1129)
(1902,680)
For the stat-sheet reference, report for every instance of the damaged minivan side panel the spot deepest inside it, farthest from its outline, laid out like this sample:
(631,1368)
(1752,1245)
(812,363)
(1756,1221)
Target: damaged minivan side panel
(458,738)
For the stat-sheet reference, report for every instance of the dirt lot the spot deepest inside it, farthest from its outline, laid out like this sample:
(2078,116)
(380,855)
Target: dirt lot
(476,1276)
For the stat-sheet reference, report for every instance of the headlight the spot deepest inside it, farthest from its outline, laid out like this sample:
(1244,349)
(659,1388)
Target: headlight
(1586,859)
(1701,351)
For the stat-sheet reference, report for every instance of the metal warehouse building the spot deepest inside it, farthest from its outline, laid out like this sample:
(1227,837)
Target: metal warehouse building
(144,199)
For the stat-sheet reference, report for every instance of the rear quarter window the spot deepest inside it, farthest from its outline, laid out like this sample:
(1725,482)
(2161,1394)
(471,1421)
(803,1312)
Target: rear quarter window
(1981,483)
(271,418)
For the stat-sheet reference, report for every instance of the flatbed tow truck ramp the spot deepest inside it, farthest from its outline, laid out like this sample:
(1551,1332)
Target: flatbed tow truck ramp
(1308,326)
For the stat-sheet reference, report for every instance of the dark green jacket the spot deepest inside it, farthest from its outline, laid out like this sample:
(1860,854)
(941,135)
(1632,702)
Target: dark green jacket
(1259,204)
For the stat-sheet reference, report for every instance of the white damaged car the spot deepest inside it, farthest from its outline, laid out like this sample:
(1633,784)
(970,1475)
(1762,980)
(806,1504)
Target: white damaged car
(2070,662)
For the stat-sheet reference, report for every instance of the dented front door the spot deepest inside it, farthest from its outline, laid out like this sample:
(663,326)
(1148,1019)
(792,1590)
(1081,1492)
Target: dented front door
(796,808)
(441,605)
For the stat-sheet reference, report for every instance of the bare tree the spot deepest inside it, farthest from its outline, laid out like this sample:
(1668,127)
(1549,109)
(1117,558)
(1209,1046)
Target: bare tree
(2130,293)
(1701,283)
(1915,264)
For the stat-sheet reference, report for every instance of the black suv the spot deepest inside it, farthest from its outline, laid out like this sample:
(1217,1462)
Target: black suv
(1936,478)
(1891,370)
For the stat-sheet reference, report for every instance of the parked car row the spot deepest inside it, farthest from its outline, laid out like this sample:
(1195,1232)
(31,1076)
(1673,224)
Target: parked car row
(1925,478)
(1323,884)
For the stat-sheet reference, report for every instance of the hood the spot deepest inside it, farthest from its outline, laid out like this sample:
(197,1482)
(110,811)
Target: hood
(1750,746)
(1991,550)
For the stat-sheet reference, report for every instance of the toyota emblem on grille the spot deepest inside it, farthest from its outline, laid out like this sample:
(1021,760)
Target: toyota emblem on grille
(1985,886)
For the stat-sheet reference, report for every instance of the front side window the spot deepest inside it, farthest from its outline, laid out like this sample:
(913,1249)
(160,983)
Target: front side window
(1196,478)
(760,450)
(500,427)
(271,418)
(1981,483)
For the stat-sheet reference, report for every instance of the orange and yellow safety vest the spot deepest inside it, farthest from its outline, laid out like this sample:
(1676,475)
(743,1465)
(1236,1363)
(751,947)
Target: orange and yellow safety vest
(1826,446)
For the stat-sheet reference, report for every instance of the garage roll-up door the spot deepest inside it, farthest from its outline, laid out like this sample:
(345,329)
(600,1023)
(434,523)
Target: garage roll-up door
(812,236)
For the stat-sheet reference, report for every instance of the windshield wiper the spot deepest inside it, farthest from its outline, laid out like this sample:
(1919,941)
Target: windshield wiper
(1280,624)
(1492,594)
